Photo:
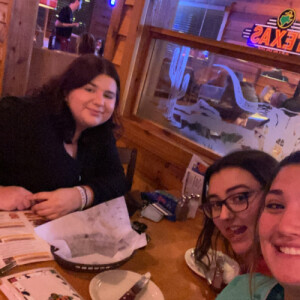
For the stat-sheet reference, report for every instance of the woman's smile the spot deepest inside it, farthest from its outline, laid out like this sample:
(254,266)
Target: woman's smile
(232,225)
(234,231)
(94,103)
(279,226)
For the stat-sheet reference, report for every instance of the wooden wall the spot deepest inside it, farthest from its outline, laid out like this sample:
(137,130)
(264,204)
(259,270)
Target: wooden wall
(245,13)
(20,33)
(162,158)
(100,19)
(5,12)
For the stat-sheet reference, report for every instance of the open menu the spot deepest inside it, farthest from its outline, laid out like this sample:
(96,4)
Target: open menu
(18,240)
(37,284)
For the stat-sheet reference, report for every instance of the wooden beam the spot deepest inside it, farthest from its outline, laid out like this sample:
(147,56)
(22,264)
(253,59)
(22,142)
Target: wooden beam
(162,155)
(235,51)
(5,8)
(115,23)
(20,36)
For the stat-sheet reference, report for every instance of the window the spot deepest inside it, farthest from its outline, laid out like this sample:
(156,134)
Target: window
(199,19)
(220,102)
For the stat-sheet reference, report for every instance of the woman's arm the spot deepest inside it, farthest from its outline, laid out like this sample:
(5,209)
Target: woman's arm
(62,24)
(102,178)
(14,198)
(108,181)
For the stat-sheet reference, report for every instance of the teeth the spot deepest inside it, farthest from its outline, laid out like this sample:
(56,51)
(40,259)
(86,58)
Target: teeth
(291,251)
(234,227)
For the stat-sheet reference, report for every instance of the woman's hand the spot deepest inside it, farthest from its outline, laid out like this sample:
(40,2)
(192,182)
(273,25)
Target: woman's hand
(14,197)
(57,203)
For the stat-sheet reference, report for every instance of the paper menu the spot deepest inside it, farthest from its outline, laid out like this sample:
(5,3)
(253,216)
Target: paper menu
(38,284)
(18,241)
(99,235)
(194,176)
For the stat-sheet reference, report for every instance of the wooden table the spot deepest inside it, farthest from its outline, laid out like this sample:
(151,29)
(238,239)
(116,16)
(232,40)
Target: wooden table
(163,257)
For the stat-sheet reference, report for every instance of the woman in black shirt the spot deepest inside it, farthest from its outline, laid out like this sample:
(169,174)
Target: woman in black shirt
(57,148)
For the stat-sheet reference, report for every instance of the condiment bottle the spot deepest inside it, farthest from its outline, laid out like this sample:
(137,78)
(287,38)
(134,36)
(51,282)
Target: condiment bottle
(182,208)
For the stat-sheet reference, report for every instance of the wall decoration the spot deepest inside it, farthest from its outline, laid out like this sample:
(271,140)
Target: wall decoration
(279,34)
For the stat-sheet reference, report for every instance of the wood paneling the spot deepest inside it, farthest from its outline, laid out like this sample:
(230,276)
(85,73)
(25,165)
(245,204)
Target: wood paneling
(112,35)
(129,2)
(100,19)
(5,11)
(21,31)
(117,59)
(126,22)
(162,156)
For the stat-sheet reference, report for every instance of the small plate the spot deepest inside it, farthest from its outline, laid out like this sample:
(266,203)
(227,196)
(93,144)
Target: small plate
(113,284)
(231,269)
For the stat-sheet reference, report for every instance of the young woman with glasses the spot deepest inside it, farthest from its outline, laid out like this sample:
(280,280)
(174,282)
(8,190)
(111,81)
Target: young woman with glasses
(231,202)
(279,234)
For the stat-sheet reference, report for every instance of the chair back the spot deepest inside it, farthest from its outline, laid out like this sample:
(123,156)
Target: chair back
(128,158)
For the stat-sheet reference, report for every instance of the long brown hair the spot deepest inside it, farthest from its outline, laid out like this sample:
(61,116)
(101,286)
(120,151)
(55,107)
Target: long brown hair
(260,164)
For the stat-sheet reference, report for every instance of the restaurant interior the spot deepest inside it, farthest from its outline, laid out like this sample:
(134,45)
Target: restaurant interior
(180,64)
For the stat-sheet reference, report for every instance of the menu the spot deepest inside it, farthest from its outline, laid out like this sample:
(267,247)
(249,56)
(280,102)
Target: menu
(18,241)
(194,176)
(37,284)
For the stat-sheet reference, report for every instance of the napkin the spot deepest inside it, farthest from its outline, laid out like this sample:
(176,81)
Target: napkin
(99,235)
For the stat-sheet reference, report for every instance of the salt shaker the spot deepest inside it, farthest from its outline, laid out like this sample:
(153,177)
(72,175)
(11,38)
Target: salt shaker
(182,208)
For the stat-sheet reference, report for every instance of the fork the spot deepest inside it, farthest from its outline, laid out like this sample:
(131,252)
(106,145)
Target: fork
(208,272)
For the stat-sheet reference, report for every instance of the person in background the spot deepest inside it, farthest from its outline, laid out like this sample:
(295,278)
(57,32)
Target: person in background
(86,44)
(232,197)
(57,147)
(100,44)
(64,25)
(279,234)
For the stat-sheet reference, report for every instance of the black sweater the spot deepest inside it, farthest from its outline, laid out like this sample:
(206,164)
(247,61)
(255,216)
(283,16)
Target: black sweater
(32,153)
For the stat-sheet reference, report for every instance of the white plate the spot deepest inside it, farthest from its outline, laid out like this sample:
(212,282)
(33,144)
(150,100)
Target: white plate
(113,284)
(231,270)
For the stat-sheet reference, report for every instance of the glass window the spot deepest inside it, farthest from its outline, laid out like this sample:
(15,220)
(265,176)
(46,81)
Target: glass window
(220,102)
(199,20)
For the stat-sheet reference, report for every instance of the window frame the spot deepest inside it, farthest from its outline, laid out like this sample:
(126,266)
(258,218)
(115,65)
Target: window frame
(155,132)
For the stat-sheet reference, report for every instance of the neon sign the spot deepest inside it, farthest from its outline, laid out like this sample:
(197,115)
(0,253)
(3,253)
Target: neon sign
(280,34)
(48,3)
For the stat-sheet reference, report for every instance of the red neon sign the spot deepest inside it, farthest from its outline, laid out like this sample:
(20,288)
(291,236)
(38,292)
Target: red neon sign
(278,35)
(50,3)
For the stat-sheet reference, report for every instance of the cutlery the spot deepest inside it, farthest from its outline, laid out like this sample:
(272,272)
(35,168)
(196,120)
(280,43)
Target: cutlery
(207,270)
(137,287)
(7,267)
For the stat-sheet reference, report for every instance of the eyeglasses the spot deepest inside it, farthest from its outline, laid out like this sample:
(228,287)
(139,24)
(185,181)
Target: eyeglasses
(235,203)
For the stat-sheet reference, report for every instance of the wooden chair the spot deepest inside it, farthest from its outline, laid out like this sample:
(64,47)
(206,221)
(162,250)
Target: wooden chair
(128,158)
